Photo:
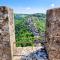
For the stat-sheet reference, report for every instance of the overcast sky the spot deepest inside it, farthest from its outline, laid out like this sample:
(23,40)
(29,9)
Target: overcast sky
(30,6)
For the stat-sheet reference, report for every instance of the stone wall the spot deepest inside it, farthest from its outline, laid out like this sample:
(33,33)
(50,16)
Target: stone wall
(7,36)
(53,33)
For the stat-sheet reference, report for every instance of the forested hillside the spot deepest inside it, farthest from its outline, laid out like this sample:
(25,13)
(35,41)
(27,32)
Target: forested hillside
(23,31)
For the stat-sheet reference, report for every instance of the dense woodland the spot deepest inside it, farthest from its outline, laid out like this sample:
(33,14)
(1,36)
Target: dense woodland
(22,30)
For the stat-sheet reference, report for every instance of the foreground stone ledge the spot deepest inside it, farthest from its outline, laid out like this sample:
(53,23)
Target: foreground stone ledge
(28,53)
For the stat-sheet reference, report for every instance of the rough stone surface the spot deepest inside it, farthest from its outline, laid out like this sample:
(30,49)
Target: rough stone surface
(53,33)
(30,53)
(6,33)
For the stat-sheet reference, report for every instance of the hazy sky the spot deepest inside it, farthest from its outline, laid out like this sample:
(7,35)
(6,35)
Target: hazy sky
(30,6)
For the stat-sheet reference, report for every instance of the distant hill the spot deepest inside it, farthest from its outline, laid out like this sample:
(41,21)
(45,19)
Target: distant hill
(39,15)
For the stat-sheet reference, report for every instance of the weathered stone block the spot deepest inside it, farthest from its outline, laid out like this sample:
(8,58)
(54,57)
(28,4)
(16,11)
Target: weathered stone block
(6,31)
(53,33)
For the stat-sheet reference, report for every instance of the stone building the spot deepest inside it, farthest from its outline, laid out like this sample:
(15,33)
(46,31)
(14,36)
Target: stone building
(53,33)
(7,33)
